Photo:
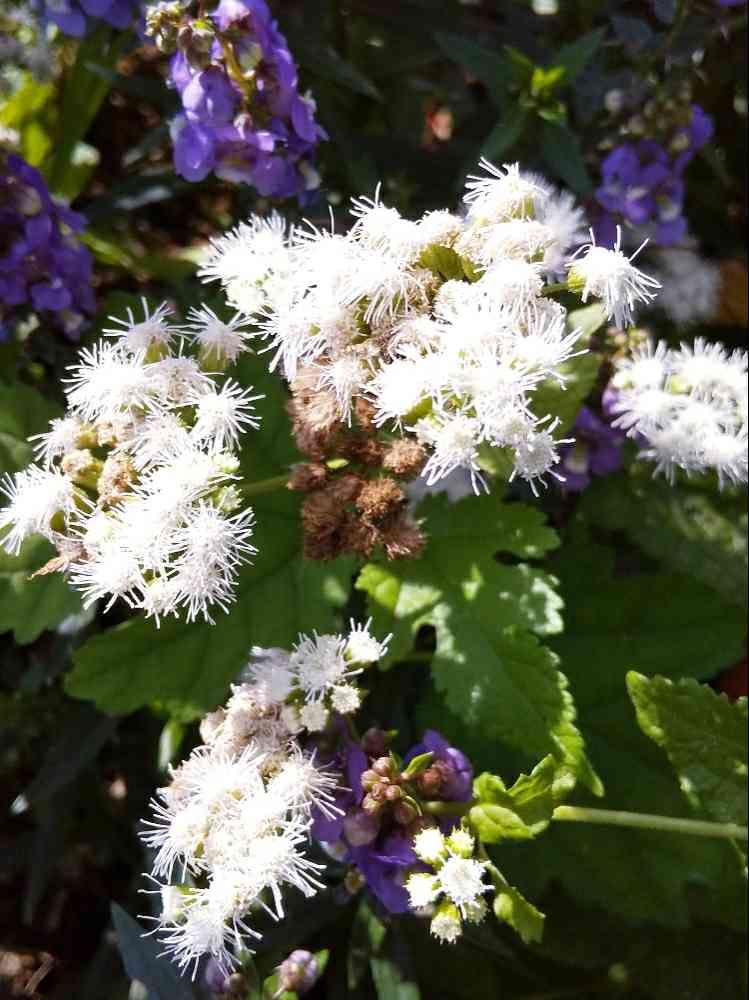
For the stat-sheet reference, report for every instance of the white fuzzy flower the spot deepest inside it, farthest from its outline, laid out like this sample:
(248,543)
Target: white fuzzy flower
(345,699)
(269,670)
(609,275)
(565,220)
(462,880)
(108,380)
(504,194)
(430,846)
(218,341)
(446,924)
(690,286)
(63,436)
(422,889)
(362,646)
(223,415)
(37,497)
(140,336)
(319,664)
(455,441)
(314,716)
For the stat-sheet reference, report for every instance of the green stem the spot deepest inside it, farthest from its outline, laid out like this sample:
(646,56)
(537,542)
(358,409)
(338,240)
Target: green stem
(263,486)
(644,821)
(446,808)
(558,286)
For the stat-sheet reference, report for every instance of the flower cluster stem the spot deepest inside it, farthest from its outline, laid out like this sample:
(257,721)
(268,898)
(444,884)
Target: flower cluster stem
(645,821)
(263,486)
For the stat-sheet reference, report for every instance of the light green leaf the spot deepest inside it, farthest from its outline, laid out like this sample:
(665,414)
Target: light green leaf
(188,667)
(514,909)
(705,737)
(522,811)
(488,662)
(27,112)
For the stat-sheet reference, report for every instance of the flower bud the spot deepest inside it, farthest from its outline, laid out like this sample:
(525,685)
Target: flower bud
(404,813)
(382,766)
(369,779)
(298,973)
(446,924)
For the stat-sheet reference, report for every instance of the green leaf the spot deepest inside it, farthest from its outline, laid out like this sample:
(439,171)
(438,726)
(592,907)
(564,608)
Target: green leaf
(505,133)
(444,261)
(27,112)
(490,67)
(83,93)
(705,738)
(488,662)
(23,412)
(562,152)
(390,982)
(564,401)
(28,607)
(545,81)
(514,909)
(140,956)
(575,56)
(523,811)
(187,668)
(616,621)
(692,532)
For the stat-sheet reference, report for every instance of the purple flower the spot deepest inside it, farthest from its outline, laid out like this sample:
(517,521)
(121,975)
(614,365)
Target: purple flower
(243,117)
(43,267)
(76,17)
(453,768)
(642,183)
(596,451)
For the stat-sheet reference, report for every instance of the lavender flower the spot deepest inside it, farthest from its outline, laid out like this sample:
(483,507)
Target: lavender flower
(643,181)
(597,451)
(43,266)
(242,115)
(376,831)
(77,17)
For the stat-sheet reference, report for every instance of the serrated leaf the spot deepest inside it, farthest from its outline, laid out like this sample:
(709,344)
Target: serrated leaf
(616,622)
(705,738)
(691,531)
(491,68)
(141,961)
(514,909)
(188,667)
(522,811)
(575,56)
(489,664)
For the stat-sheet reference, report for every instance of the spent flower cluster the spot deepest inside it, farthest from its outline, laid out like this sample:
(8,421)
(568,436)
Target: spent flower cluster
(436,333)
(137,485)
(242,114)
(688,408)
(234,822)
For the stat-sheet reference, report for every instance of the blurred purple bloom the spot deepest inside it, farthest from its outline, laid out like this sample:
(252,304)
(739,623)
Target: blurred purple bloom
(642,183)
(457,782)
(76,17)
(43,266)
(597,451)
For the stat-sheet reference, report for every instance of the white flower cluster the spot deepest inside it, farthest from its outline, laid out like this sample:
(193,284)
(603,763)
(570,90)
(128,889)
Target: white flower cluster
(691,286)
(456,888)
(446,326)
(690,407)
(137,485)
(234,821)
(317,676)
